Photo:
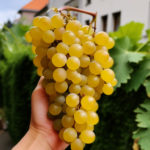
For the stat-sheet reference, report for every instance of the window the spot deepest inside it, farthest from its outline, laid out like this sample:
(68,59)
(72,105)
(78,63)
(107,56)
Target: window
(87,22)
(88,2)
(104,22)
(116,20)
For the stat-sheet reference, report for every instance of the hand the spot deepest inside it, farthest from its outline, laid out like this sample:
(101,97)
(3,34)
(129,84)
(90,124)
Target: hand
(41,132)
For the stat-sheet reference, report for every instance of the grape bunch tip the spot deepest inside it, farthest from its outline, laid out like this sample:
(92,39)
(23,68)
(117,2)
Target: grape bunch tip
(75,63)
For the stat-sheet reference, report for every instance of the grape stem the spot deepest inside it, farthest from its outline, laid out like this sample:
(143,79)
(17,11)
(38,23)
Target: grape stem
(69,8)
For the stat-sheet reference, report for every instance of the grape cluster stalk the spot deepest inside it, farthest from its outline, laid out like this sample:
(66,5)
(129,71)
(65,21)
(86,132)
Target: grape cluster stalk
(75,63)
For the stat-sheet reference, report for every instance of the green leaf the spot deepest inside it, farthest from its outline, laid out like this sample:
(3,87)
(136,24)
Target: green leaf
(123,56)
(148,33)
(139,75)
(133,30)
(143,119)
(147,86)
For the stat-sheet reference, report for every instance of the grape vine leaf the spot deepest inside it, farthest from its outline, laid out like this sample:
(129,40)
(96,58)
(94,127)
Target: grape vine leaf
(123,56)
(139,75)
(133,30)
(147,86)
(143,119)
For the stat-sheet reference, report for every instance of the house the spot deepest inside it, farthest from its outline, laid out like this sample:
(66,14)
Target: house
(32,9)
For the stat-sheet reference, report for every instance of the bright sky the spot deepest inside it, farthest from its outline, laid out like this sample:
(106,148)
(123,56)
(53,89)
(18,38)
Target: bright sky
(9,9)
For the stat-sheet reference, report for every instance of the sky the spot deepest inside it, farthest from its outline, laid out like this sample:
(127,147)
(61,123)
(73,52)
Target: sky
(9,9)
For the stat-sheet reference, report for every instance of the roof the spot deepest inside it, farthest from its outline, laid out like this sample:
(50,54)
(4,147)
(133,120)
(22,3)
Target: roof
(35,5)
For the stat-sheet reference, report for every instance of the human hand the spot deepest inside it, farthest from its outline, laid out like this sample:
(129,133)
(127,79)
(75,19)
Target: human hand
(41,130)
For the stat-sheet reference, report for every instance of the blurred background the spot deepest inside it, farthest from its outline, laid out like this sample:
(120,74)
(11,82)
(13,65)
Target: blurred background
(124,116)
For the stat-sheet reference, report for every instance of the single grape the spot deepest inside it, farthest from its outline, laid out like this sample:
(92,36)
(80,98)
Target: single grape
(72,100)
(90,127)
(60,100)
(89,47)
(59,33)
(36,33)
(77,144)
(36,21)
(100,86)
(37,61)
(80,127)
(87,30)
(50,52)
(48,36)
(48,74)
(88,102)
(80,34)
(87,136)
(59,75)
(73,63)
(76,78)
(61,87)
(101,38)
(28,37)
(68,38)
(39,71)
(70,111)
(62,48)
(67,121)
(95,68)
(107,75)
(69,134)
(50,89)
(83,80)
(97,95)
(110,43)
(55,109)
(108,89)
(86,38)
(75,88)
(108,64)
(93,118)
(76,50)
(84,61)
(80,116)
(100,47)
(57,21)
(59,59)
(113,82)
(57,124)
(87,90)
(61,134)
(93,80)
(77,41)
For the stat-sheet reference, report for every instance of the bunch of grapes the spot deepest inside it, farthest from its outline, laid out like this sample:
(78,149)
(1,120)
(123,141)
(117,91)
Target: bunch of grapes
(75,63)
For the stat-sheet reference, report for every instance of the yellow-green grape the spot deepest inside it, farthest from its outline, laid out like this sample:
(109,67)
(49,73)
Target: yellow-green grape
(76,78)
(97,95)
(36,33)
(59,75)
(87,30)
(44,82)
(39,71)
(87,90)
(76,50)
(100,86)
(50,52)
(36,21)
(70,74)
(88,102)
(59,33)
(93,80)
(100,47)
(101,38)
(50,89)
(107,75)
(87,136)
(55,109)
(41,52)
(61,133)
(68,38)
(75,88)
(108,64)
(33,49)
(77,41)
(95,108)
(80,127)
(28,37)
(59,60)
(89,47)
(62,48)
(44,62)
(64,107)
(57,21)
(108,89)
(60,100)
(86,38)
(73,63)
(113,82)
(80,34)
(101,56)
(84,61)
(73,25)
(90,127)
(70,111)
(37,61)
(57,124)
(83,80)
(110,43)
(61,87)
(48,36)
(72,100)
(95,68)
(48,74)
(45,23)
(69,134)
(77,144)
(80,116)
(67,121)
(93,118)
